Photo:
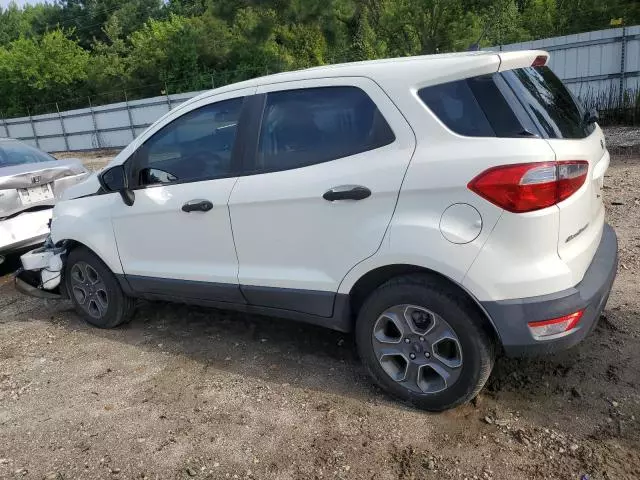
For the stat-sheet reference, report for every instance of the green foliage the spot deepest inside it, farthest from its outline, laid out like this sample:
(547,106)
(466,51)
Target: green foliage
(69,50)
(366,45)
(41,70)
(164,50)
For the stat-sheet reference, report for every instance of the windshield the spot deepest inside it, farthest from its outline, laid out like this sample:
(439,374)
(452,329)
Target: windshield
(16,153)
(558,113)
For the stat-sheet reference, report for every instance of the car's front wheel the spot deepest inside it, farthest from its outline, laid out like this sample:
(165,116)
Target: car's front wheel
(95,291)
(423,342)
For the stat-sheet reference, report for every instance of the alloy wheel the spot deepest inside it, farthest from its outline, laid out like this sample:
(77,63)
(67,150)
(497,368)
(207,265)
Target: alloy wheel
(417,348)
(89,290)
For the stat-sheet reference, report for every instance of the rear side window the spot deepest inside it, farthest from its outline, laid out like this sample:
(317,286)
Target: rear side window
(558,113)
(474,107)
(308,126)
(456,106)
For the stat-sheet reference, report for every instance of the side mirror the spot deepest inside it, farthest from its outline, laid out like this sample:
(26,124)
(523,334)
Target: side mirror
(115,180)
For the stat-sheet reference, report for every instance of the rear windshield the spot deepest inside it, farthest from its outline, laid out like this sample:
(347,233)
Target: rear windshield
(558,113)
(16,153)
(518,103)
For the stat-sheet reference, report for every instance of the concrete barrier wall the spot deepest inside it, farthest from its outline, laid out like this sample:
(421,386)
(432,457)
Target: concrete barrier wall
(106,126)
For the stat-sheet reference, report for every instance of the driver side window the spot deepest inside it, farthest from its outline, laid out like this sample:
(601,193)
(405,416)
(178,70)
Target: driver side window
(194,147)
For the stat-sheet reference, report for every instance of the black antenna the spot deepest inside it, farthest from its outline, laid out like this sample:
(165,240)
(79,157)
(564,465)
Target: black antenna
(474,47)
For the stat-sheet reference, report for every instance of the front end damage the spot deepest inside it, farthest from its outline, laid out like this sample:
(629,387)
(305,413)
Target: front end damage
(41,272)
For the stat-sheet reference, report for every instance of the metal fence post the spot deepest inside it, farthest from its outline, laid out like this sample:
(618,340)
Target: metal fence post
(33,128)
(623,62)
(64,132)
(166,92)
(95,125)
(126,101)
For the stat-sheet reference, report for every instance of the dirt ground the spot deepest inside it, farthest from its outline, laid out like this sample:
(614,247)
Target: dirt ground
(93,160)
(185,392)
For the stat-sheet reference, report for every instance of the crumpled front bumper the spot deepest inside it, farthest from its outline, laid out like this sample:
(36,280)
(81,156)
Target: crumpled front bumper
(24,230)
(41,272)
(25,283)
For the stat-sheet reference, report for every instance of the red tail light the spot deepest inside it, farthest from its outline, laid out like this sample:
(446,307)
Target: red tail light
(526,187)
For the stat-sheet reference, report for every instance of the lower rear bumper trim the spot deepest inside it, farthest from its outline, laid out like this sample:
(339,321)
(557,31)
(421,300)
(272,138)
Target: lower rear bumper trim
(510,317)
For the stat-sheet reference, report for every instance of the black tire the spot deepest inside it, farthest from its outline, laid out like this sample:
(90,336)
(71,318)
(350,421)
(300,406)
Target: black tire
(105,305)
(477,349)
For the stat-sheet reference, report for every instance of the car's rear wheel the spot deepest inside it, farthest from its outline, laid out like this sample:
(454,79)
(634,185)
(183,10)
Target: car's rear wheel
(95,291)
(424,342)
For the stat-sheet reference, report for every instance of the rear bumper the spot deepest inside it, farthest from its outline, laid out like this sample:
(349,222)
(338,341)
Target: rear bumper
(24,230)
(510,317)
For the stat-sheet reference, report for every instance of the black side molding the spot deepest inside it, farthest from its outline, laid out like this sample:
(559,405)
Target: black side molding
(187,289)
(304,301)
(325,309)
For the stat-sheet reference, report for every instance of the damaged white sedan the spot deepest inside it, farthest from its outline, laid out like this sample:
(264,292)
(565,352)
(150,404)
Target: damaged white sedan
(31,182)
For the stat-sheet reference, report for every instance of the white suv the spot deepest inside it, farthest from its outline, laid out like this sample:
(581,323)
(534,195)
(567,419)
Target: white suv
(444,208)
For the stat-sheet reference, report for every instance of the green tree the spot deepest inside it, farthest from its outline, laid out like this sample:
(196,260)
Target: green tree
(366,44)
(40,71)
(28,21)
(75,48)
(540,17)
(163,52)
(418,27)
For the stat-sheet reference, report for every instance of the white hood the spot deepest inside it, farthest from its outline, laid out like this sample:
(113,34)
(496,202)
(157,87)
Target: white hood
(89,186)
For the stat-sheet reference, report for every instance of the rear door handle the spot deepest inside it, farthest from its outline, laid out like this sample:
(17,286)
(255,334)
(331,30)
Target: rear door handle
(197,206)
(347,192)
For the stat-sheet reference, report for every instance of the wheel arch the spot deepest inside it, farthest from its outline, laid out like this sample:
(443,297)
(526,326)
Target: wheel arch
(69,245)
(373,279)
(109,260)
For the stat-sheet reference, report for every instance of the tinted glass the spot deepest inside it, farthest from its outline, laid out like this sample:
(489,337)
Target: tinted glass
(16,153)
(558,113)
(499,112)
(456,106)
(309,126)
(196,146)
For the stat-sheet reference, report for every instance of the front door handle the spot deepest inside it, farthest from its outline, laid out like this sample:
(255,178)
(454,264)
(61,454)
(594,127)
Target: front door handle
(197,206)
(347,192)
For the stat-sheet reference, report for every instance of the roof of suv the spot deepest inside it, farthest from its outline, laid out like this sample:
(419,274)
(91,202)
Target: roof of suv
(344,69)
(426,69)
